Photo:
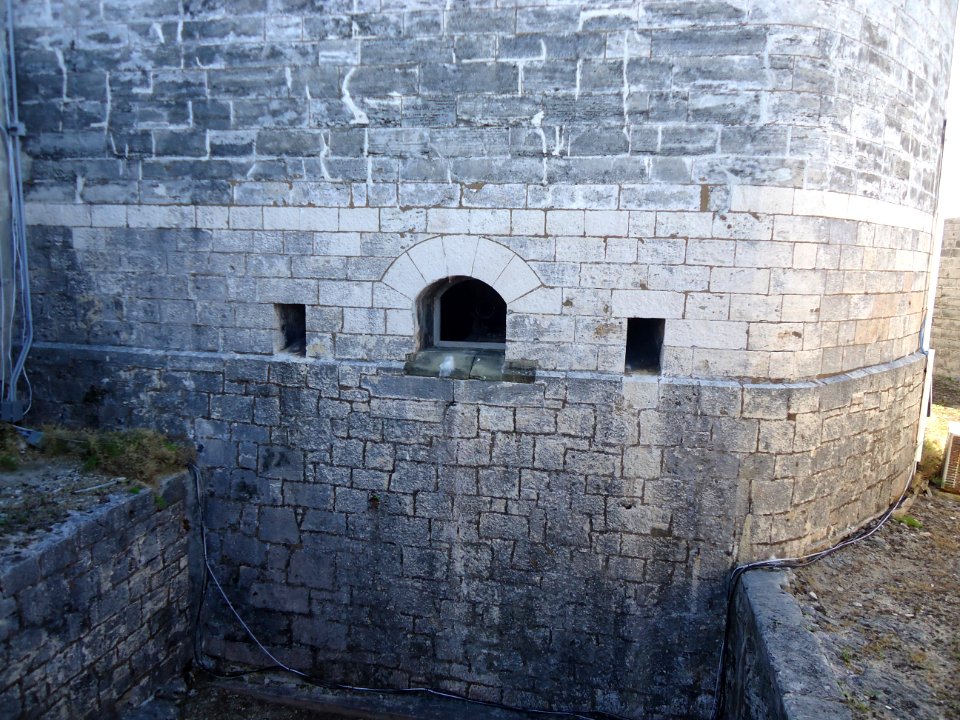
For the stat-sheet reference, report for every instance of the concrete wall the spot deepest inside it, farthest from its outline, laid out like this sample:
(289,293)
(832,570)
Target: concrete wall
(945,336)
(98,612)
(758,174)
(776,669)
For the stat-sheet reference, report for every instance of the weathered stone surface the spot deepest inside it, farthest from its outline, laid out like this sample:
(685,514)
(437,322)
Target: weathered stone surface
(269,123)
(775,666)
(420,487)
(760,177)
(119,586)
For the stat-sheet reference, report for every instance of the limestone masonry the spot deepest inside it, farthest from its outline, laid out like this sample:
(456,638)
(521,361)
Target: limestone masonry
(945,337)
(709,224)
(96,614)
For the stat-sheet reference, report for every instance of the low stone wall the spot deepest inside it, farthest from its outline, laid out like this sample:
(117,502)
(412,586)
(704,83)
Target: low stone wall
(775,666)
(100,611)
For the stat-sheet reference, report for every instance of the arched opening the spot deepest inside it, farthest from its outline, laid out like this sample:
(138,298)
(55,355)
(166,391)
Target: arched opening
(463,334)
(463,312)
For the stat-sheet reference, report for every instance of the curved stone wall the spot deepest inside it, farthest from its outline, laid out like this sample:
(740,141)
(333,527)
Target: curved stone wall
(760,175)
(562,543)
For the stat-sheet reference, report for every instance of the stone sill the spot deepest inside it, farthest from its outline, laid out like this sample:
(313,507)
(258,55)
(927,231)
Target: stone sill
(467,364)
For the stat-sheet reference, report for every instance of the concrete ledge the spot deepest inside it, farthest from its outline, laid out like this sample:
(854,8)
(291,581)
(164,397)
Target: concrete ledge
(776,669)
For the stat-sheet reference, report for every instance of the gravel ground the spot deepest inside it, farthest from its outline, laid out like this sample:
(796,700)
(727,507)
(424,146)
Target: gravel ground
(886,609)
(886,612)
(41,493)
(205,700)
(275,696)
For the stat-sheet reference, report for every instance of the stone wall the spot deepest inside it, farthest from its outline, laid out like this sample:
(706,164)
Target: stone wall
(562,543)
(776,669)
(101,610)
(758,175)
(945,336)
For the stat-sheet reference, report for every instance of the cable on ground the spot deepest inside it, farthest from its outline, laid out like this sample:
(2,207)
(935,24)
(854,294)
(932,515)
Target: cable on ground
(735,575)
(797,562)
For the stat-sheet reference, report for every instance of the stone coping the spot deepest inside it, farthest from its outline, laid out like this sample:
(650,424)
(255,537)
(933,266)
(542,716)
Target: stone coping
(120,505)
(191,358)
(744,198)
(789,661)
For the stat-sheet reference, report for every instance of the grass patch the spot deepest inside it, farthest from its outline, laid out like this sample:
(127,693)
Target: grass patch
(945,410)
(142,455)
(45,462)
(138,455)
(879,646)
(10,448)
(858,708)
(909,520)
(919,658)
(934,441)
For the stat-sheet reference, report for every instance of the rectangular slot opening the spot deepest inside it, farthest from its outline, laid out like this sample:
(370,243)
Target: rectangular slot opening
(644,343)
(292,321)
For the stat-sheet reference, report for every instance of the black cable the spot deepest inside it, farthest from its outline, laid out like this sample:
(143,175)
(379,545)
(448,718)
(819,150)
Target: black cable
(738,572)
(278,665)
(197,659)
(204,585)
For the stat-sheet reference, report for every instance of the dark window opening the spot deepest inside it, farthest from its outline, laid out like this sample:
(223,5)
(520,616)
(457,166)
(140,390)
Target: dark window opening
(292,338)
(644,343)
(463,334)
(465,313)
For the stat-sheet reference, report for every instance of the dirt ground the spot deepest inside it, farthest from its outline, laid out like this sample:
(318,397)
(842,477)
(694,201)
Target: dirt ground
(886,610)
(276,696)
(203,698)
(206,702)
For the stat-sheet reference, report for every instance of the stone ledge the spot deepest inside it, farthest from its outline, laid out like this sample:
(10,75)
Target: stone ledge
(214,361)
(759,199)
(776,668)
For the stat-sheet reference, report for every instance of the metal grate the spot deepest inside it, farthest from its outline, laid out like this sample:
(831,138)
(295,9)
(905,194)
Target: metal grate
(950,480)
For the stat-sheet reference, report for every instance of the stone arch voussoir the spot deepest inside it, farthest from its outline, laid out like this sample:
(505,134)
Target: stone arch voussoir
(461,255)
